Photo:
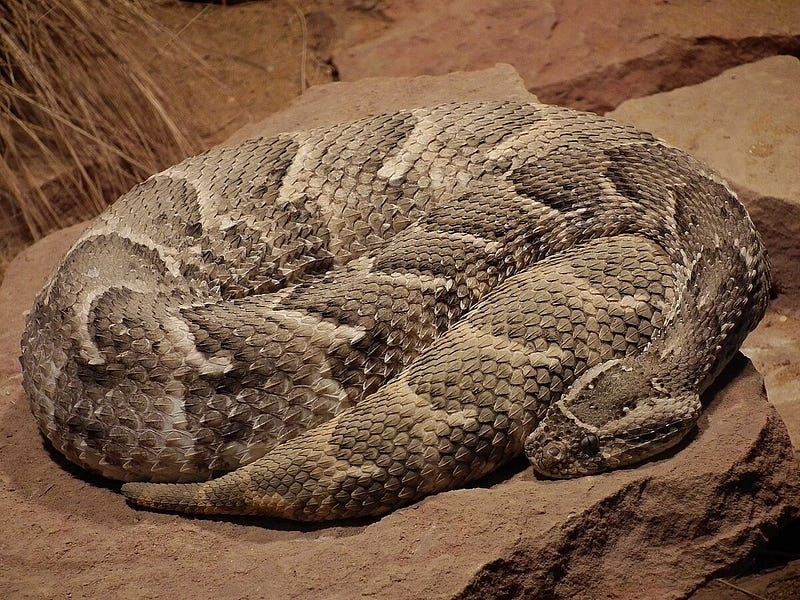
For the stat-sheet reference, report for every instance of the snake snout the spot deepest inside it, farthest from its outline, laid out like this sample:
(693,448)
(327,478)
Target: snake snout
(560,449)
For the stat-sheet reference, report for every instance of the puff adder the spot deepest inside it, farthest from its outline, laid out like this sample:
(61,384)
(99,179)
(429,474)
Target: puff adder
(346,319)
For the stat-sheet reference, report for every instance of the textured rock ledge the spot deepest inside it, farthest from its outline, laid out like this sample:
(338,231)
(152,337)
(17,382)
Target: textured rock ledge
(589,55)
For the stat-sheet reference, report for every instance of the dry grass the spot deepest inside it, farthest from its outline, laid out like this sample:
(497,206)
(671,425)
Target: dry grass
(81,118)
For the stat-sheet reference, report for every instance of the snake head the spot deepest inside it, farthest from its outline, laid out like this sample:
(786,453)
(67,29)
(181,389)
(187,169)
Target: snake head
(616,414)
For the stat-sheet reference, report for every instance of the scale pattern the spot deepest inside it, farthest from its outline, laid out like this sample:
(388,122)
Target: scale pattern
(347,319)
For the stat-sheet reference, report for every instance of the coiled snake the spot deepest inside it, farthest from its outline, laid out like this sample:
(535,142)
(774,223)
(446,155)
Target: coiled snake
(353,317)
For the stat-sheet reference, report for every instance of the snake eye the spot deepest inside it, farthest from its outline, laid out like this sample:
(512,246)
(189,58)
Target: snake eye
(589,443)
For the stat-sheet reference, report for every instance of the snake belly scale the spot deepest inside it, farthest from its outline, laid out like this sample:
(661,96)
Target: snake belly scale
(336,322)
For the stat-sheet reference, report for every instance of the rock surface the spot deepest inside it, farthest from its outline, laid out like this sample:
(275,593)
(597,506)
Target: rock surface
(745,123)
(590,55)
(657,531)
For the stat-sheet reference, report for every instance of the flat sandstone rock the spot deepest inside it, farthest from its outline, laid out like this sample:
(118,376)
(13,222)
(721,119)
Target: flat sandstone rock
(652,532)
(588,55)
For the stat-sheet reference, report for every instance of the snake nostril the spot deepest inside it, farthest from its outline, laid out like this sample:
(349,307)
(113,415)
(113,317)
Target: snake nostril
(553,450)
(590,443)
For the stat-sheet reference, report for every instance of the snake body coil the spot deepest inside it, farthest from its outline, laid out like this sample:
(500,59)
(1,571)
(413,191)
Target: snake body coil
(350,318)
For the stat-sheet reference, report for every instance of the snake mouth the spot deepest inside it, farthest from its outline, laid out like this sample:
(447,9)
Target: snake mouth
(586,453)
(631,450)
